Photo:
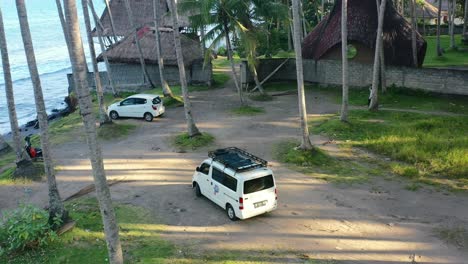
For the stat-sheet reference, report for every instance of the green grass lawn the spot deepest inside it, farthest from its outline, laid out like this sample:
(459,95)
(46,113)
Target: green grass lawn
(450,57)
(247,110)
(433,149)
(184,142)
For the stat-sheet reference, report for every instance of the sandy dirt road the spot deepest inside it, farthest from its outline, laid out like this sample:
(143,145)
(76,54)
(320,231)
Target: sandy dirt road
(315,220)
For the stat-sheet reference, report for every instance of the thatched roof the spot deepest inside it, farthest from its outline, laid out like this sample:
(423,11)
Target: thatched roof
(142,13)
(126,51)
(362,28)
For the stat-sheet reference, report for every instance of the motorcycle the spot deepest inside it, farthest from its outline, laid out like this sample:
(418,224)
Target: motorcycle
(34,153)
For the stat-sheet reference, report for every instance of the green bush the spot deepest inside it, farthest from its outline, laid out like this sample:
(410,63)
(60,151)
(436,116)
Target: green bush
(26,227)
(222,51)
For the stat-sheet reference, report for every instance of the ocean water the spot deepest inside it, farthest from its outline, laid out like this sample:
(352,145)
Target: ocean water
(51,56)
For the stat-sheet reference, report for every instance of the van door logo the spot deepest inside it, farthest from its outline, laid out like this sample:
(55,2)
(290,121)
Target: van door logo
(216,189)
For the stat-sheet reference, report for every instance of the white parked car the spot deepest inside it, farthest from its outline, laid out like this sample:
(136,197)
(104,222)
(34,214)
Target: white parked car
(238,181)
(145,106)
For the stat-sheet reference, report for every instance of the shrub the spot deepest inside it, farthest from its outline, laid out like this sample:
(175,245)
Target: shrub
(222,51)
(24,228)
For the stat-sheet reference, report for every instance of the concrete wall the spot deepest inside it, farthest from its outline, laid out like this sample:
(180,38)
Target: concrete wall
(328,72)
(129,77)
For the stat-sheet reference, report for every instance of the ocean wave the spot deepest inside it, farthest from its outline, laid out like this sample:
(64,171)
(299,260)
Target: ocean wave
(40,75)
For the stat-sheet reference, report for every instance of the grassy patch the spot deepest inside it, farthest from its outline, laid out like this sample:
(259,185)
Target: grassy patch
(223,62)
(458,57)
(457,236)
(86,244)
(247,110)
(434,147)
(115,130)
(321,165)
(184,141)
(220,79)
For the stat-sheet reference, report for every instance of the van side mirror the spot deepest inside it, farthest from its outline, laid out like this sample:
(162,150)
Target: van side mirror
(198,169)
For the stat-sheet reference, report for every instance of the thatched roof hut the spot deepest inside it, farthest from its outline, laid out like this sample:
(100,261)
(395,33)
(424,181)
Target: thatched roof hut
(362,30)
(142,13)
(126,51)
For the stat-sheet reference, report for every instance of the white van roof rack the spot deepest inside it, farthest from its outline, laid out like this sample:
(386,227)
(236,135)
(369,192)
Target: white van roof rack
(237,159)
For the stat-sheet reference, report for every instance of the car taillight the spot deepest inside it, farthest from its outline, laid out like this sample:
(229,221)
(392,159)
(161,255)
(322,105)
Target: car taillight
(241,203)
(155,107)
(276,194)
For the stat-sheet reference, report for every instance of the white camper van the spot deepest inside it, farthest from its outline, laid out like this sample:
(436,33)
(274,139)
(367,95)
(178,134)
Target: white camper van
(238,181)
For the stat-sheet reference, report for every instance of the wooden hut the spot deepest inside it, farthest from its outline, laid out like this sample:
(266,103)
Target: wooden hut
(324,42)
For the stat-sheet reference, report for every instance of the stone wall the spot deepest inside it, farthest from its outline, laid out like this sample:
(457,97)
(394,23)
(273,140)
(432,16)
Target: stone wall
(328,72)
(129,77)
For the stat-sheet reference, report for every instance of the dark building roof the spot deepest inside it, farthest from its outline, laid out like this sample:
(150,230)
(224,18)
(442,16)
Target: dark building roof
(126,51)
(362,28)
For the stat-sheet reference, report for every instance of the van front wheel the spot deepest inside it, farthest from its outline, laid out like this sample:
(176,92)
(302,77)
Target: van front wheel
(197,190)
(231,213)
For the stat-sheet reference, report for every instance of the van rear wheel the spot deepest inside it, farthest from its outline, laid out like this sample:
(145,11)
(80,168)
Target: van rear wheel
(231,213)
(198,191)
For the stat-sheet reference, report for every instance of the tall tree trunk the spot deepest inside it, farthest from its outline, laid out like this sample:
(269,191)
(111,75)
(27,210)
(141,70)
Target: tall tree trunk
(465,19)
(111,18)
(439,17)
(289,39)
(305,143)
(424,20)
(304,27)
(111,228)
(383,76)
(374,104)
(344,58)
(165,87)
(99,29)
(231,59)
(323,9)
(452,5)
(55,202)
(17,146)
(103,117)
(413,33)
(203,42)
(192,129)
(137,41)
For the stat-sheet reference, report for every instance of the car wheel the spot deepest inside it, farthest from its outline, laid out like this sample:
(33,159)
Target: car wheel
(198,192)
(231,213)
(114,115)
(148,117)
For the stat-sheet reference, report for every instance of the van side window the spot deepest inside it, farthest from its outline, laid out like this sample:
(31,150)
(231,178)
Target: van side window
(224,179)
(205,168)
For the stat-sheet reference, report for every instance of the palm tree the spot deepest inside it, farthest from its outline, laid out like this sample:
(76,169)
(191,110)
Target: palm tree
(99,29)
(55,202)
(103,117)
(465,19)
(165,87)
(111,228)
(344,58)
(137,41)
(305,143)
(9,94)
(414,26)
(439,17)
(374,105)
(452,6)
(111,18)
(383,76)
(192,129)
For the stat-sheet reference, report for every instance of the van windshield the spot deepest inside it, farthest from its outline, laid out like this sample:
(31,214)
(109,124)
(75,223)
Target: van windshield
(258,184)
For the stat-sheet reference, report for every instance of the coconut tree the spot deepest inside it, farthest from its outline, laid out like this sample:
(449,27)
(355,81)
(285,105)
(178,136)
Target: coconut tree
(99,29)
(439,17)
(414,26)
(131,22)
(9,95)
(55,202)
(452,6)
(111,228)
(111,18)
(374,105)
(165,87)
(383,76)
(192,129)
(344,58)
(465,19)
(103,117)
(305,143)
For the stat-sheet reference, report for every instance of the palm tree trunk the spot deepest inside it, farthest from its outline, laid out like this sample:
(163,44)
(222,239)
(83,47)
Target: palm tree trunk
(323,9)
(452,6)
(192,129)
(111,18)
(439,17)
(413,33)
(304,28)
(383,76)
(55,202)
(231,59)
(137,41)
(9,92)
(344,58)
(424,20)
(305,143)
(374,104)
(203,42)
(167,92)
(99,29)
(111,228)
(465,19)
(103,117)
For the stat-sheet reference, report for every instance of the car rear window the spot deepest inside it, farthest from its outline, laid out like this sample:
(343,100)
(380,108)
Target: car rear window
(258,184)
(156,100)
